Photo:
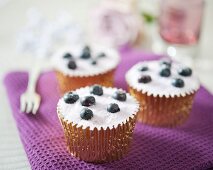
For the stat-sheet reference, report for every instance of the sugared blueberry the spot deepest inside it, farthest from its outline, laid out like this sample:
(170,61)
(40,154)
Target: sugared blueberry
(87,101)
(86,48)
(113,108)
(165,72)
(72,65)
(145,79)
(101,55)
(143,68)
(86,53)
(178,82)
(86,114)
(70,97)
(67,55)
(119,95)
(93,62)
(96,90)
(185,72)
(165,64)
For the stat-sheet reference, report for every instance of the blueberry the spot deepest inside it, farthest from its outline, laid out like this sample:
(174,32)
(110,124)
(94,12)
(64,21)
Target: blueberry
(178,82)
(143,68)
(93,62)
(86,48)
(86,114)
(113,108)
(72,65)
(165,64)
(70,97)
(96,90)
(145,79)
(86,53)
(67,55)
(185,72)
(119,95)
(87,101)
(101,55)
(165,72)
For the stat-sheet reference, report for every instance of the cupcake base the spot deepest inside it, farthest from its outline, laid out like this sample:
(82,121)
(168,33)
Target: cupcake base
(98,146)
(69,83)
(162,111)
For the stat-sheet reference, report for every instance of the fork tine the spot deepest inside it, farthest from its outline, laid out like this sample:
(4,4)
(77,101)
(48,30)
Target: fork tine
(29,106)
(35,106)
(23,104)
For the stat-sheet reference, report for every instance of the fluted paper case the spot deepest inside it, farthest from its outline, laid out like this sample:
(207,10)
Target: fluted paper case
(98,145)
(163,111)
(69,83)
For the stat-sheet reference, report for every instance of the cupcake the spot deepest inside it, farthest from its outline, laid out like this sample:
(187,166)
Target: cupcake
(98,122)
(82,66)
(165,90)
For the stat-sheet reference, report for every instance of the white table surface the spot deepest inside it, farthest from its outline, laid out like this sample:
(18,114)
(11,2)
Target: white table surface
(13,17)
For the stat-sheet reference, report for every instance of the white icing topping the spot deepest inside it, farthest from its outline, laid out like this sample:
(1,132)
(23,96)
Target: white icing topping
(161,86)
(101,117)
(84,66)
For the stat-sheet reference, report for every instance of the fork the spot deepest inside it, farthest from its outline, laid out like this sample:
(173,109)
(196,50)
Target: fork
(30,100)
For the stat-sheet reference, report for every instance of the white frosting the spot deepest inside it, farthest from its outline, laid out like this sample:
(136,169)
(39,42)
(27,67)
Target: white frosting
(101,117)
(84,66)
(161,86)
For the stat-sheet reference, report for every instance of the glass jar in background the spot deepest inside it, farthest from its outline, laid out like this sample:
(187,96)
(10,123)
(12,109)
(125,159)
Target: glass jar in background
(180,26)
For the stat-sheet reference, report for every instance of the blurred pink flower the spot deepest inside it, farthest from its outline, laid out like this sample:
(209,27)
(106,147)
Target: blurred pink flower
(116,27)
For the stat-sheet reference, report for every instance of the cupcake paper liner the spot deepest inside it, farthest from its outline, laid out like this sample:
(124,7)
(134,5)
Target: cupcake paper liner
(163,111)
(69,83)
(98,145)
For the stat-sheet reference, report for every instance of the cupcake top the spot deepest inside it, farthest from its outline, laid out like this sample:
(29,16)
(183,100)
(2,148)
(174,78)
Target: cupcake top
(85,60)
(162,78)
(97,107)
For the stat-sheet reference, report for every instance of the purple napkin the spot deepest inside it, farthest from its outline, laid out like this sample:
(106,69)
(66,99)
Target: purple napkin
(187,147)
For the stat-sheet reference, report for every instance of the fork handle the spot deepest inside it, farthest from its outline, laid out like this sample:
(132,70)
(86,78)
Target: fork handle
(33,77)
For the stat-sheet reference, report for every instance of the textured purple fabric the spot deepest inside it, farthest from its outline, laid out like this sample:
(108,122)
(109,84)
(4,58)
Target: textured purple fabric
(187,147)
